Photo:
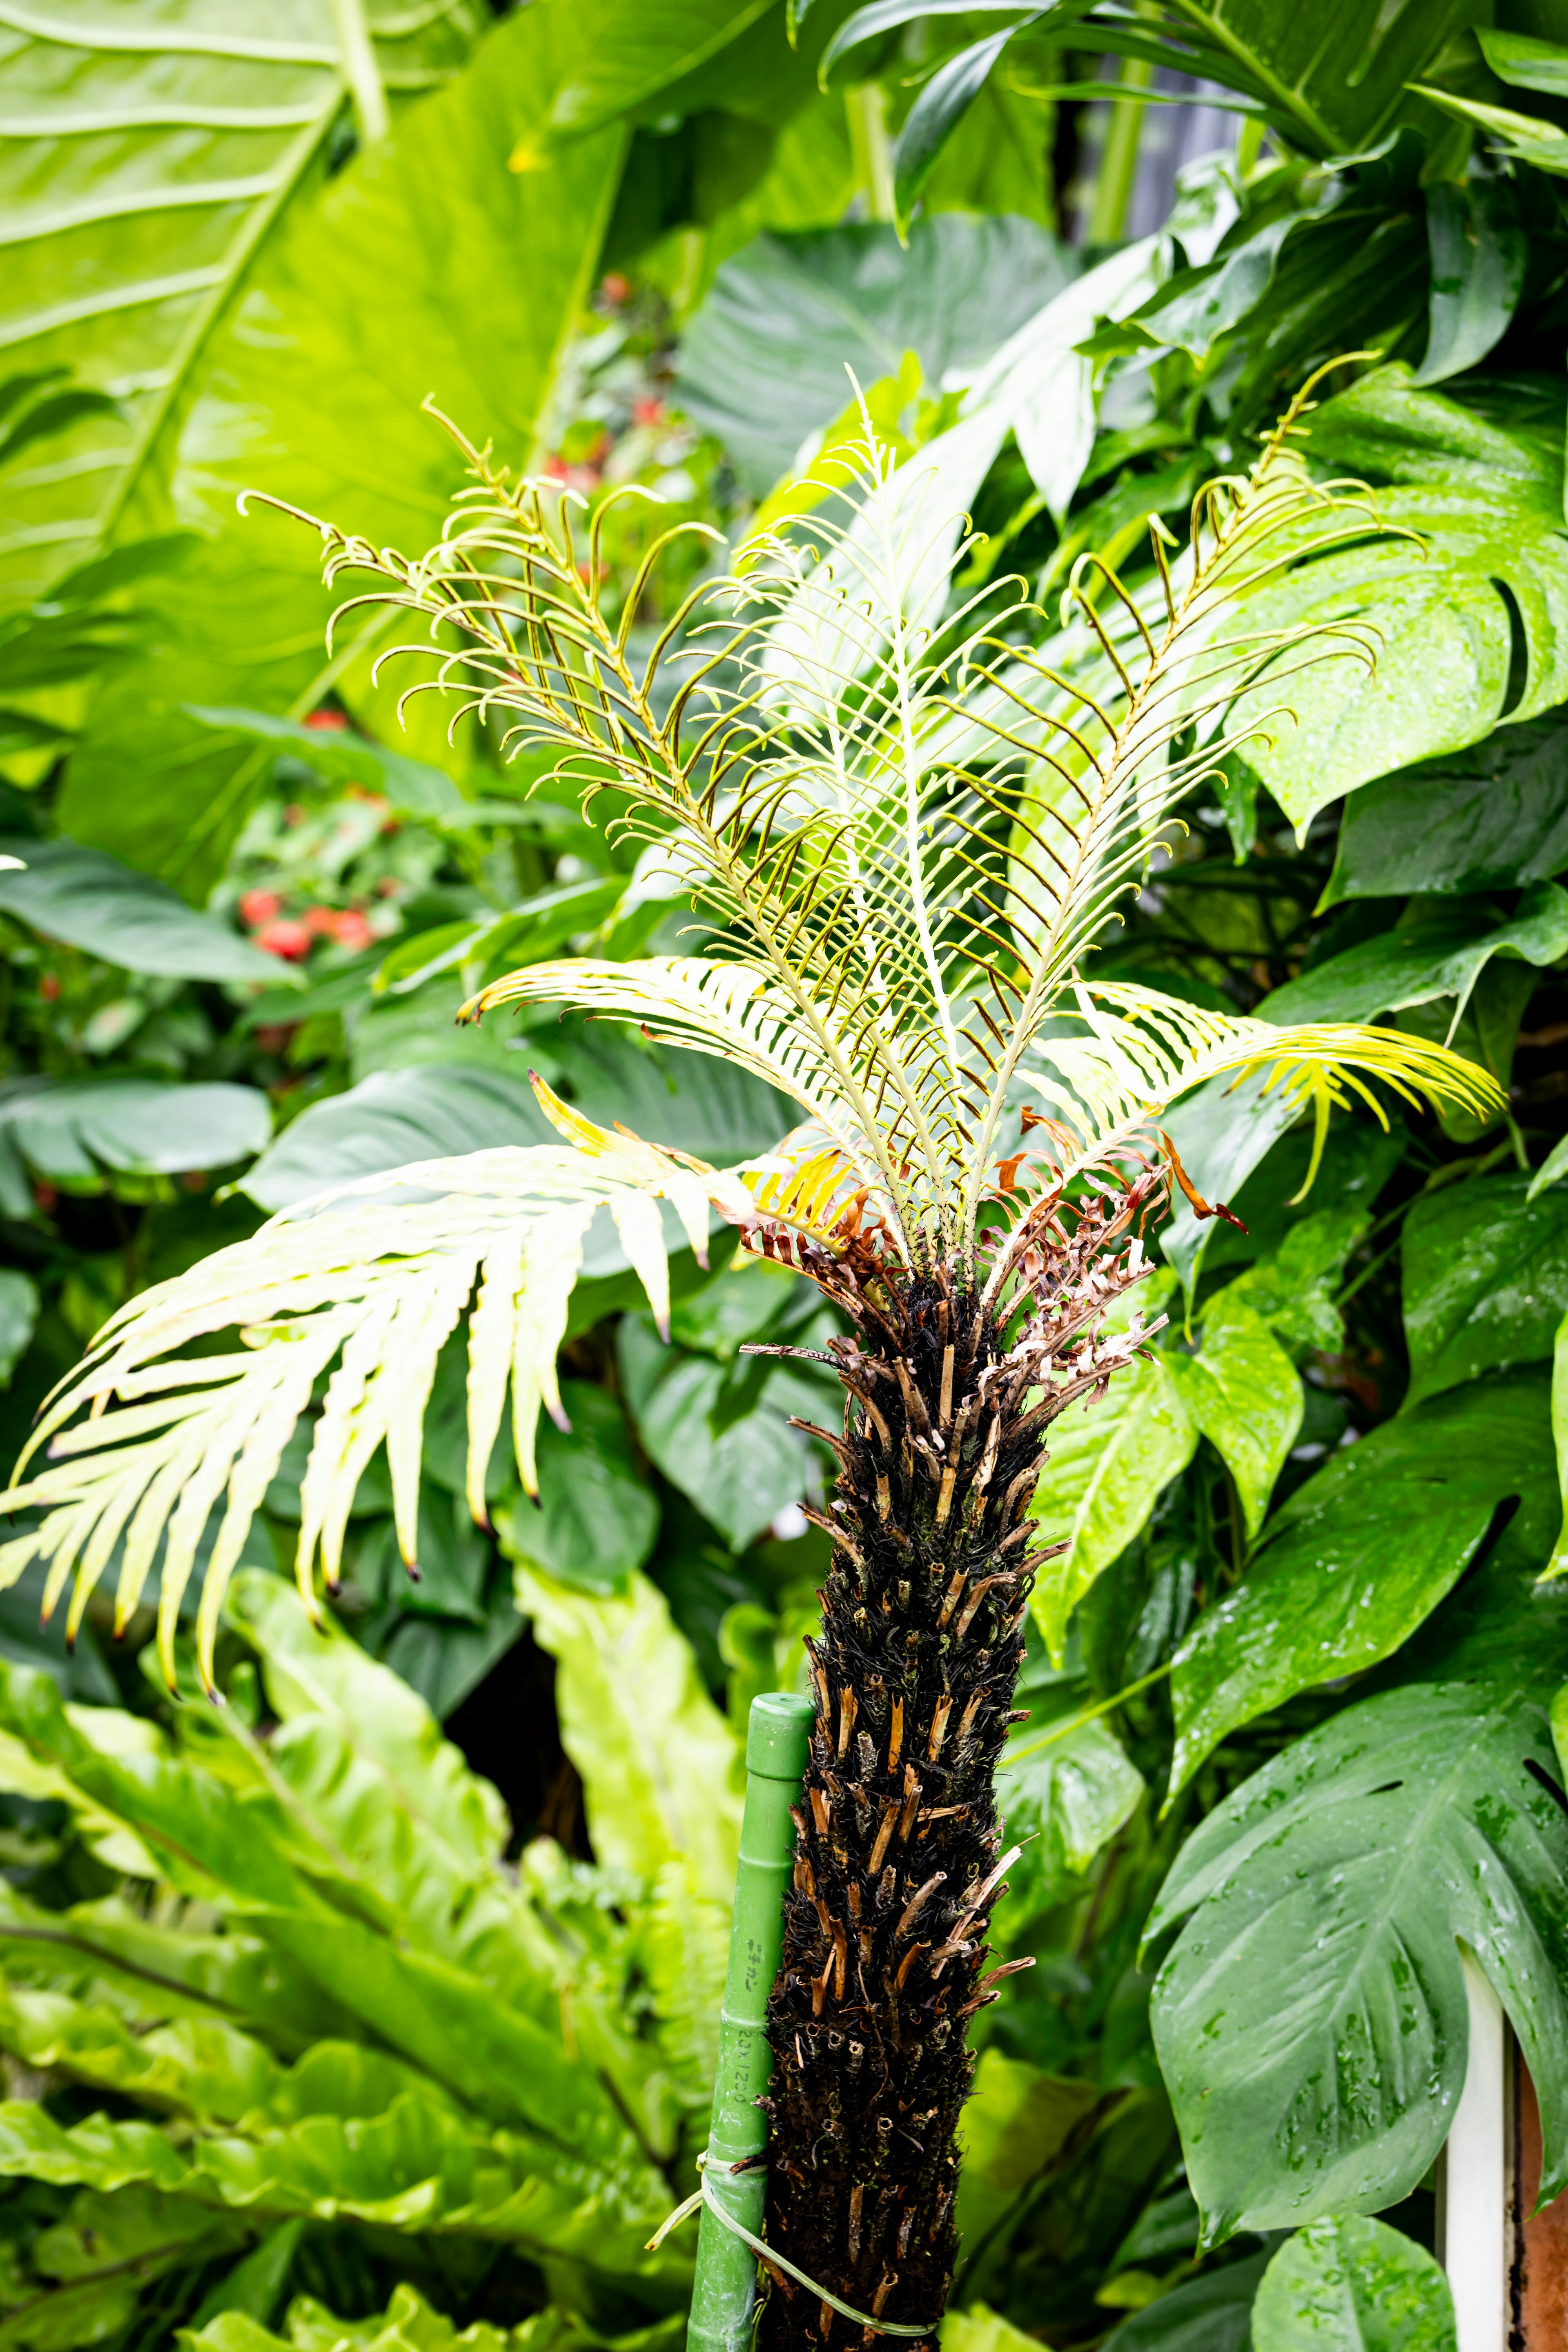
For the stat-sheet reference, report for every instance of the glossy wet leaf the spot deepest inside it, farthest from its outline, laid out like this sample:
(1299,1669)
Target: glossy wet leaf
(1486,506)
(1245,1396)
(596,1520)
(1106,1468)
(1358,1557)
(1437,949)
(1478,252)
(1348,2283)
(1311,2018)
(1067,1799)
(1485,1279)
(1488,818)
(94,902)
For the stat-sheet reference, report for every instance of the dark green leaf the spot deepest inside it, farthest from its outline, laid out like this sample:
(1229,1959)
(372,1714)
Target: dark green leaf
(936,113)
(1348,2284)
(1312,2019)
(1478,252)
(739,1468)
(1359,1556)
(71,1129)
(1212,2313)
(763,363)
(94,902)
(596,1520)
(18,1316)
(1485,1279)
(1486,819)
(1486,506)
(1437,949)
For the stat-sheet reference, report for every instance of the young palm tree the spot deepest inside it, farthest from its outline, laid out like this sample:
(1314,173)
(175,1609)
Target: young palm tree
(903,826)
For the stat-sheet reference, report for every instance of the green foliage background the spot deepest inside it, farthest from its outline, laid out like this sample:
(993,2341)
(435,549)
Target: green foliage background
(379,2006)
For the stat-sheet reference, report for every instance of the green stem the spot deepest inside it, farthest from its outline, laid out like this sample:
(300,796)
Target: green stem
(1085,1714)
(870,149)
(724,2289)
(1119,156)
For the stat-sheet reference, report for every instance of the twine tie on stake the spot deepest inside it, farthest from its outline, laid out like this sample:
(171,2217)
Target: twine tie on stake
(704,2196)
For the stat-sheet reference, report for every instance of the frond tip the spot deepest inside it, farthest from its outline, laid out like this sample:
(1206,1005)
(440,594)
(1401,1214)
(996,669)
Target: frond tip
(374,1277)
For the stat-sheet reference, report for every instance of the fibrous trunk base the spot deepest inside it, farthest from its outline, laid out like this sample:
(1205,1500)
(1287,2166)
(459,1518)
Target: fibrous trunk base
(898,1855)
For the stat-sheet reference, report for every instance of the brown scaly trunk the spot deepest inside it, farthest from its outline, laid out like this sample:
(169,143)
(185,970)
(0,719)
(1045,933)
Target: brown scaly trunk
(898,1852)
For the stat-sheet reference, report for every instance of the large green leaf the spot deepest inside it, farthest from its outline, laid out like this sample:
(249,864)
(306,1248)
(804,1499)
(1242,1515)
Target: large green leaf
(654,1752)
(1212,2313)
(595,1519)
(1065,1800)
(1439,948)
(721,1439)
(1489,554)
(1107,1466)
(1245,1396)
(1311,2020)
(1485,1279)
(625,58)
(143,170)
(397,280)
(71,1130)
(763,363)
(94,902)
(1359,1556)
(1349,2284)
(1336,77)
(1485,819)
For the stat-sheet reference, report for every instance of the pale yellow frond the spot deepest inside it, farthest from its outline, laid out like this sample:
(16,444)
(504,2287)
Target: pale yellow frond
(372,1279)
(1138,1049)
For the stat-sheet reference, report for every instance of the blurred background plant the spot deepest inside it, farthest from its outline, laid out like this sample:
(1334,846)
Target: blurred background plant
(313,2023)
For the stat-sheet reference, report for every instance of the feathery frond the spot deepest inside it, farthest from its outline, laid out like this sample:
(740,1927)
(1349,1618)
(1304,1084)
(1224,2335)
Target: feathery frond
(376,1276)
(908,823)
(905,822)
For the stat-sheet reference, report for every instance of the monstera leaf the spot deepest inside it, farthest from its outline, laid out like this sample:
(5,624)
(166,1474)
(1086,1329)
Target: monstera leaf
(1311,2020)
(1466,544)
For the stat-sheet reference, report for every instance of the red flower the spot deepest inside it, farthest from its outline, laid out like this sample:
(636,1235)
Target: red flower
(351,929)
(258,906)
(285,938)
(48,986)
(648,412)
(615,287)
(329,722)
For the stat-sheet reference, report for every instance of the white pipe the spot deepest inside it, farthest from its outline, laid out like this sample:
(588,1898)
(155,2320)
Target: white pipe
(1473,2246)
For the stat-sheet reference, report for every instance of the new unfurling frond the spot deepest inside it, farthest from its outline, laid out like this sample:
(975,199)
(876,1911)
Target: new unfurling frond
(908,819)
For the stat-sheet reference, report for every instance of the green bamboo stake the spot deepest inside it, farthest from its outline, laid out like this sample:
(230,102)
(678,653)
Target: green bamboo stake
(725,2288)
